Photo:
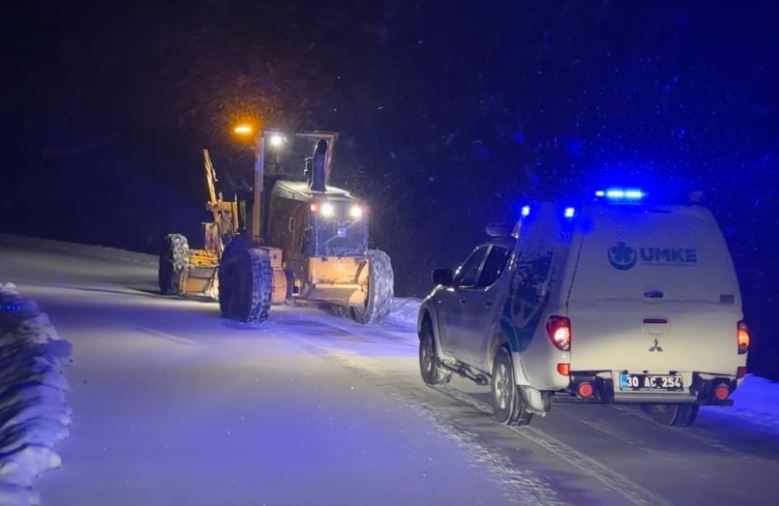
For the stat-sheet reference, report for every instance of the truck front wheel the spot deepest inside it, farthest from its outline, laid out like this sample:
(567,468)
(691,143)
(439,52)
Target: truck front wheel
(432,373)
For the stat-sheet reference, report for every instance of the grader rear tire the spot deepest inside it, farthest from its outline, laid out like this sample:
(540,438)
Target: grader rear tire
(245,283)
(380,289)
(173,261)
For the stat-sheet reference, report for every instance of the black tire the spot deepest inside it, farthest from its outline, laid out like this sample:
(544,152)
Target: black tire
(507,402)
(173,261)
(429,368)
(228,273)
(380,289)
(672,415)
(245,284)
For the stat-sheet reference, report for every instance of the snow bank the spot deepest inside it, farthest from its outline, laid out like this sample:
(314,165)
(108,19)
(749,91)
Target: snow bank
(81,250)
(404,311)
(756,401)
(34,414)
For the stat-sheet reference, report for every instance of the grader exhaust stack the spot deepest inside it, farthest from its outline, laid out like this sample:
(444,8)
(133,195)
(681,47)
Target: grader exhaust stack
(318,171)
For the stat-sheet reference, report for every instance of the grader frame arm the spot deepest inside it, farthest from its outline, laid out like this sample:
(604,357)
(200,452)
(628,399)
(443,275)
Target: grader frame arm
(226,218)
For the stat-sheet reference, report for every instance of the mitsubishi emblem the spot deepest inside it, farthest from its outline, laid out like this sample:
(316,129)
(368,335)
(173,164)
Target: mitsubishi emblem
(656,346)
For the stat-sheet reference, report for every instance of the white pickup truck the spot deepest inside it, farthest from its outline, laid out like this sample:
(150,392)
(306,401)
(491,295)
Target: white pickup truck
(613,301)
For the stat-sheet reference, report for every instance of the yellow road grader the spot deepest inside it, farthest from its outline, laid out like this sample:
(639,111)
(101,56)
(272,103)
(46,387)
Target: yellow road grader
(293,237)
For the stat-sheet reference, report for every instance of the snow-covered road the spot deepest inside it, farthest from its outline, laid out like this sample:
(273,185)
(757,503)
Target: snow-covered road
(174,405)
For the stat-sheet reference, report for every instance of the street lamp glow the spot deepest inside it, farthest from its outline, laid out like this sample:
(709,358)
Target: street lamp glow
(276,140)
(243,129)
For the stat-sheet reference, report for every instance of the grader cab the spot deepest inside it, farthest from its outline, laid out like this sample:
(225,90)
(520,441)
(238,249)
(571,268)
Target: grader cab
(304,240)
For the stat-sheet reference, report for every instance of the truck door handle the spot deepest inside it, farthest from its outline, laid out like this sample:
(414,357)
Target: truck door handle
(462,301)
(488,303)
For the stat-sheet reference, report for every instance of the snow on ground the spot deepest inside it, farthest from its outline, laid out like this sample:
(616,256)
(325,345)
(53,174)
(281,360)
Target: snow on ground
(404,311)
(34,414)
(79,250)
(173,404)
(756,402)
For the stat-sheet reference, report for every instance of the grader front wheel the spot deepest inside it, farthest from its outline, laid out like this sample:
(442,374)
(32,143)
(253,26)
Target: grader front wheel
(245,283)
(380,289)
(173,261)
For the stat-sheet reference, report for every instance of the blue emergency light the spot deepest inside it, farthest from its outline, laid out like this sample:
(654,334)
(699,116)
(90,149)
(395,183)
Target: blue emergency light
(621,194)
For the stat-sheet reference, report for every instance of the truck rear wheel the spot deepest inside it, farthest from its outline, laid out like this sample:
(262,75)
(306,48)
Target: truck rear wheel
(380,289)
(507,402)
(245,283)
(672,415)
(173,261)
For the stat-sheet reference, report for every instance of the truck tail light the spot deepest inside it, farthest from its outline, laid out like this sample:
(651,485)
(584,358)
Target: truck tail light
(742,337)
(558,328)
(722,392)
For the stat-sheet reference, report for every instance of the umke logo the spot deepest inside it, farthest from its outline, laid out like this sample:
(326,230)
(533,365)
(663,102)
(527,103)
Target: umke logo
(623,257)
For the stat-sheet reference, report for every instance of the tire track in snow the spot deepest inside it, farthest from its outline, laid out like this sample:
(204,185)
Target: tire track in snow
(164,335)
(618,483)
(706,437)
(610,479)
(618,435)
(527,488)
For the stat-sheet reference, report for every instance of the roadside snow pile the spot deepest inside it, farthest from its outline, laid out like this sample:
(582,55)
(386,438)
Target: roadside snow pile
(756,401)
(404,311)
(34,414)
(81,250)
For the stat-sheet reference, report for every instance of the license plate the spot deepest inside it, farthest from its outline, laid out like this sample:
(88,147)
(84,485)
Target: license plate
(650,382)
(341,232)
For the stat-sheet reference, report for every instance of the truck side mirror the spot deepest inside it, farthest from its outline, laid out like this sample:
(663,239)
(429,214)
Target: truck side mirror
(443,277)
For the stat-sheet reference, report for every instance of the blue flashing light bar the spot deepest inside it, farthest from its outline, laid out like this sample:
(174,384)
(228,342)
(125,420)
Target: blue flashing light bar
(525,211)
(570,212)
(621,194)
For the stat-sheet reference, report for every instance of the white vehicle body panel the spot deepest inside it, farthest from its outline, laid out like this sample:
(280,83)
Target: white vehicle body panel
(638,268)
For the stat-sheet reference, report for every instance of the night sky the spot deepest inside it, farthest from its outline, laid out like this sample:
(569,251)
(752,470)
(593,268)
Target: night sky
(450,114)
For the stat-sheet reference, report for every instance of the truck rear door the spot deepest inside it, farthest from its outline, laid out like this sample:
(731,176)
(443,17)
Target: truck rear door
(654,291)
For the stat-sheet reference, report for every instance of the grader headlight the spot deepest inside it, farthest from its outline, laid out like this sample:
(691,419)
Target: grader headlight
(356,212)
(327,210)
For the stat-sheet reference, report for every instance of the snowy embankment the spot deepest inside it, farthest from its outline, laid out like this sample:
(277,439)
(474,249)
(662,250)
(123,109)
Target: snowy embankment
(34,414)
(756,401)
(404,311)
